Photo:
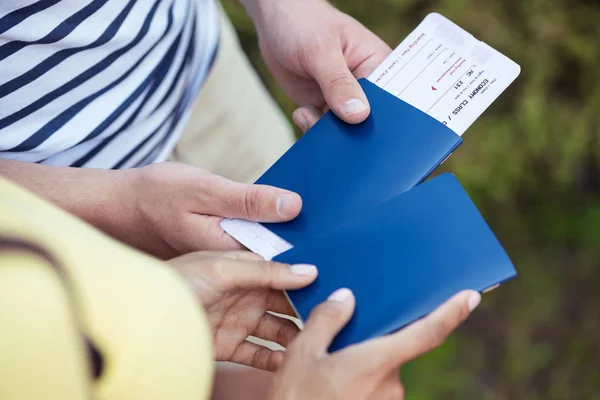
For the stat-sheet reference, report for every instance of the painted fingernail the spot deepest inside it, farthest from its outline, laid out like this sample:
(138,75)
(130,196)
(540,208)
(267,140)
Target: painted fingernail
(354,106)
(303,269)
(300,121)
(286,205)
(340,295)
(474,301)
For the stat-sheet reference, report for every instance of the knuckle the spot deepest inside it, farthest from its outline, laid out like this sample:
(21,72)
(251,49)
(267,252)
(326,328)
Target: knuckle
(341,78)
(252,202)
(286,333)
(258,358)
(299,112)
(317,47)
(267,271)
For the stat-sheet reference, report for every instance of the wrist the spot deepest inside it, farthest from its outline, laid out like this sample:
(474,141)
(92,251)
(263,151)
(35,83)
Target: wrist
(110,204)
(102,198)
(146,203)
(255,10)
(261,10)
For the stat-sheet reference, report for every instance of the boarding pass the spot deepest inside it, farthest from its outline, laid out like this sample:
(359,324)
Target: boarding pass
(447,73)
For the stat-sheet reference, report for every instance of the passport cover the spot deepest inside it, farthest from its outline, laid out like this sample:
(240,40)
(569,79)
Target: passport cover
(340,169)
(402,259)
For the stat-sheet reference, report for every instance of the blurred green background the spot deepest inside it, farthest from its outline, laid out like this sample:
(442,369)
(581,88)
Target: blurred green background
(532,166)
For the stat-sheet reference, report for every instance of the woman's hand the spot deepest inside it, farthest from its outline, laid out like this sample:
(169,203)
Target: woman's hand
(365,371)
(237,289)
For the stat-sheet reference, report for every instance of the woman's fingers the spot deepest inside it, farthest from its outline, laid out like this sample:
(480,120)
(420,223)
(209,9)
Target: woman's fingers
(245,270)
(390,352)
(275,329)
(261,274)
(278,303)
(257,356)
(325,322)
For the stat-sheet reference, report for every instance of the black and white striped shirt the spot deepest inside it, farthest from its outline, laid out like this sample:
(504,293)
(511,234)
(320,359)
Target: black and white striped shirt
(99,83)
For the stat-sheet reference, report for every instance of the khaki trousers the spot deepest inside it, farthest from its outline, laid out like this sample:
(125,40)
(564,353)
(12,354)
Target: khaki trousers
(236,129)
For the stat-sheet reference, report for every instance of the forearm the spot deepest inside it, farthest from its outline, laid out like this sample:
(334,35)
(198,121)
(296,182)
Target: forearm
(94,195)
(254,8)
(259,10)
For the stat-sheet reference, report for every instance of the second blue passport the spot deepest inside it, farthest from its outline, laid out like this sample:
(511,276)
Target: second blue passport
(402,259)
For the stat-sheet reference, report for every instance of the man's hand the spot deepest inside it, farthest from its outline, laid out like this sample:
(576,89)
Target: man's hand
(178,209)
(236,290)
(165,209)
(316,53)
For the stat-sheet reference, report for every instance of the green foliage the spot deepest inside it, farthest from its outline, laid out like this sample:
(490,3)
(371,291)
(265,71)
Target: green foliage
(532,166)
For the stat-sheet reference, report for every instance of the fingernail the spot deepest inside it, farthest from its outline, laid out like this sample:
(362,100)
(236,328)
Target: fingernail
(340,295)
(303,269)
(286,205)
(354,106)
(300,121)
(474,301)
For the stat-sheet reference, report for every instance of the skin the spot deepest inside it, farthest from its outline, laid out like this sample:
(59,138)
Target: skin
(237,290)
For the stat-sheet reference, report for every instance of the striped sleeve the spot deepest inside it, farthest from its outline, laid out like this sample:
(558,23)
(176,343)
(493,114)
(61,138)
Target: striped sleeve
(97,83)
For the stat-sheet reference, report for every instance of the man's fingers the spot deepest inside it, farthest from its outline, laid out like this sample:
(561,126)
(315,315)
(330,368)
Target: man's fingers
(204,231)
(260,203)
(392,351)
(340,88)
(380,50)
(305,117)
(275,329)
(325,322)
(257,356)
(263,274)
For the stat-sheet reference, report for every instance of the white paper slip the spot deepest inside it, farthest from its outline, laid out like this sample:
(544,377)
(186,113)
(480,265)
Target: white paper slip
(446,72)
(255,237)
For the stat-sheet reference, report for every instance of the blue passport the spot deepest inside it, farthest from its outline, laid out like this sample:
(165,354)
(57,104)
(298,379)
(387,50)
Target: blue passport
(402,259)
(340,169)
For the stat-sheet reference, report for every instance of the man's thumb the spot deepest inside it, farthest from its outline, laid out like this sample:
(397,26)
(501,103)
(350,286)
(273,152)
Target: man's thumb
(257,203)
(340,88)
